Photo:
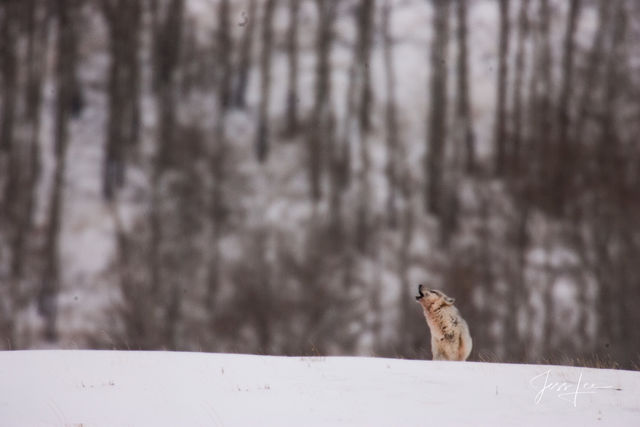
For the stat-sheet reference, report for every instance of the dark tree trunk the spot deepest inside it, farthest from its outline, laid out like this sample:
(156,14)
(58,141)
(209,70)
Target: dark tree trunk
(8,68)
(123,18)
(346,131)
(8,75)
(517,128)
(404,263)
(66,11)
(466,137)
(612,294)
(318,131)
(168,42)
(263,130)
(365,22)
(365,17)
(500,125)
(593,66)
(244,64)
(24,165)
(437,132)
(224,48)
(608,145)
(392,135)
(217,161)
(292,59)
(544,127)
(564,159)
(541,120)
(463,148)
(10,169)
(167,46)
(517,297)
(543,92)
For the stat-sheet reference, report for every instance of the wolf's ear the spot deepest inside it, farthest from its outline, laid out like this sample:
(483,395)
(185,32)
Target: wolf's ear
(449,300)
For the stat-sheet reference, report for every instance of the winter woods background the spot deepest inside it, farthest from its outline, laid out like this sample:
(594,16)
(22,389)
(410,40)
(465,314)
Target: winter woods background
(277,176)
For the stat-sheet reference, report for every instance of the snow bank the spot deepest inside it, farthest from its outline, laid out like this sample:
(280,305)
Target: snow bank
(113,388)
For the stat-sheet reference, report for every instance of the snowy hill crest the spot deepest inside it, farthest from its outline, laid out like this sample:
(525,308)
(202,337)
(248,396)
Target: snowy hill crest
(112,388)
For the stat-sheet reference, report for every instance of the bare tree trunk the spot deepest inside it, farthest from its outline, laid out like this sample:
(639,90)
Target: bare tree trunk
(628,290)
(594,61)
(292,49)
(336,162)
(242,73)
(263,316)
(24,168)
(217,161)
(595,58)
(611,293)
(437,132)
(540,87)
(542,97)
(321,109)
(134,87)
(391,119)
(167,45)
(584,308)
(517,300)
(500,125)
(10,170)
(485,338)
(262,136)
(66,11)
(8,21)
(123,18)
(38,29)
(8,74)
(335,149)
(137,309)
(404,261)
(463,148)
(167,39)
(604,273)
(365,16)
(564,159)
(463,107)
(346,131)
(224,48)
(608,148)
(517,131)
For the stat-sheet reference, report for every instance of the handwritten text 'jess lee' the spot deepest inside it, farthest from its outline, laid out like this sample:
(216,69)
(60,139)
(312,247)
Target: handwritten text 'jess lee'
(567,391)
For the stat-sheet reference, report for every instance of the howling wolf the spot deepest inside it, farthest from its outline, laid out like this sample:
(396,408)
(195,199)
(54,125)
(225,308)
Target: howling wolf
(450,339)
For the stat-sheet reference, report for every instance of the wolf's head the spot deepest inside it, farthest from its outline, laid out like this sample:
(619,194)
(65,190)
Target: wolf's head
(431,298)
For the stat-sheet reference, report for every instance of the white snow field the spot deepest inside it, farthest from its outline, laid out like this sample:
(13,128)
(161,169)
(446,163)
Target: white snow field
(127,388)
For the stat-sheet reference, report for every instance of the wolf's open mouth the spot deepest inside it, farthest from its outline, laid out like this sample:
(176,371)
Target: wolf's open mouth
(420,294)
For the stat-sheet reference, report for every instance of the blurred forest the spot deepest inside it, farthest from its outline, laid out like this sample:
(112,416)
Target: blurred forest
(277,176)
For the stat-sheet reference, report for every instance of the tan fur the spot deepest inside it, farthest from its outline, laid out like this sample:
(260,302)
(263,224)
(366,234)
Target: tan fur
(450,338)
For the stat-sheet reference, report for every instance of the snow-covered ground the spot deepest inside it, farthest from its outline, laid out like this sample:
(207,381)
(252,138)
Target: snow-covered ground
(117,388)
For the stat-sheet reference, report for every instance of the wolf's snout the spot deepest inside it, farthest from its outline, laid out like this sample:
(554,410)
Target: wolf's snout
(420,293)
